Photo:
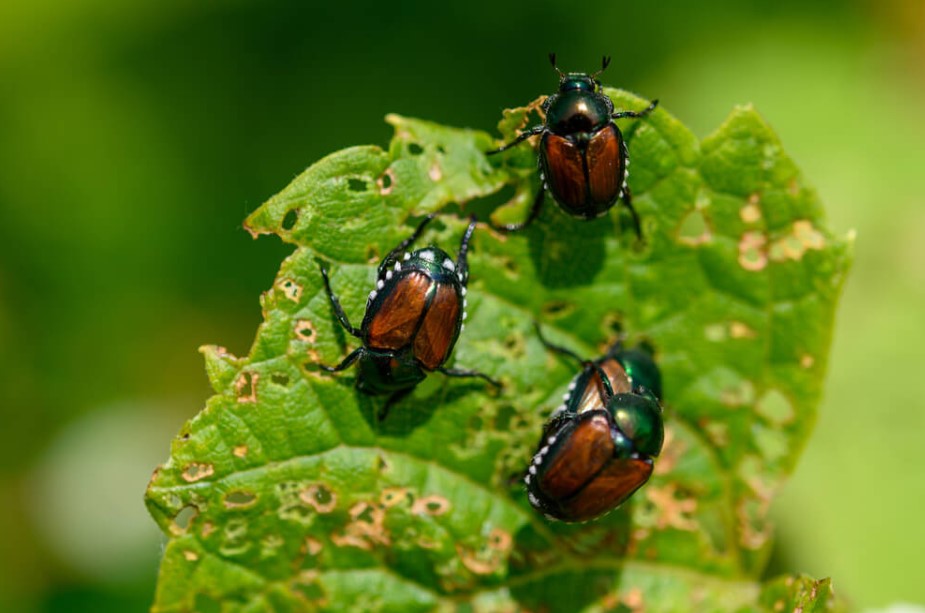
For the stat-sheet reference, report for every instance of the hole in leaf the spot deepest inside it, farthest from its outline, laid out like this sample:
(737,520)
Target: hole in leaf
(613,324)
(557,308)
(319,497)
(185,517)
(280,379)
(356,185)
(694,229)
(430,505)
(246,386)
(195,472)
(289,220)
(415,149)
(441,149)
(239,498)
(304,330)
(385,182)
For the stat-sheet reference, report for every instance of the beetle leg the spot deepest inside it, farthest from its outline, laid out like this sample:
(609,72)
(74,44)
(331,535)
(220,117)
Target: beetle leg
(346,363)
(534,213)
(627,198)
(462,263)
(335,304)
(636,114)
(457,372)
(396,253)
(520,138)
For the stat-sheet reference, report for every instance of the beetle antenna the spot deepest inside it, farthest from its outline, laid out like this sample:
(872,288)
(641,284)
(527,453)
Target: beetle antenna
(552,60)
(605,62)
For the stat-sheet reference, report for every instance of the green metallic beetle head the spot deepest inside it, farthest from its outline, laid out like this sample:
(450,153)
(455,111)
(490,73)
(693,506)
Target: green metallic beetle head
(639,418)
(641,369)
(578,81)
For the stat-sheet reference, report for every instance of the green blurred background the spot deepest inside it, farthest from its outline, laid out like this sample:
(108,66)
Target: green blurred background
(135,137)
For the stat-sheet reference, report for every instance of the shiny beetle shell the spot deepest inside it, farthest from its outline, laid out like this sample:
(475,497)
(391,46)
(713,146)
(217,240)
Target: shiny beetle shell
(419,306)
(584,175)
(582,154)
(585,469)
(413,319)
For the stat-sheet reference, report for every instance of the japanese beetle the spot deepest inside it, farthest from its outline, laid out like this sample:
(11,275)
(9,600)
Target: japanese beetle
(599,446)
(626,370)
(583,158)
(413,319)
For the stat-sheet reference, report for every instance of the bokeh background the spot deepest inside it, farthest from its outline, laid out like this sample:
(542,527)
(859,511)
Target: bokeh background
(135,137)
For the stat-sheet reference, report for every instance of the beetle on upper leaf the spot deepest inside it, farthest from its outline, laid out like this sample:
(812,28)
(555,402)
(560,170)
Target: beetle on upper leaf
(583,158)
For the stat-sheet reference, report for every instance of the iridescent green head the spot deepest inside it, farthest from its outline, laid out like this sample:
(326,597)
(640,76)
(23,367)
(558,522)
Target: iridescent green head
(641,369)
(639,419)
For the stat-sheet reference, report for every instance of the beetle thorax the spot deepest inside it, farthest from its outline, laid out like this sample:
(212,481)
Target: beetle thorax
(577,111)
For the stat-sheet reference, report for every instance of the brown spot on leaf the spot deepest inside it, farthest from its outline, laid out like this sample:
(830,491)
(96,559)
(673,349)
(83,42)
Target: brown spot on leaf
(737,329)
(312,546)
(807,361)
(196,471)
(633,600)
(240,451)
(305,330)
(435,173)
(386,182)
(751,212)
(290,289)
(349,540)
(499,540)
(392,496)
(245,386)
(476,565)
(752,253)
(207,529)
(802,237)
(319,498)
(430,505)
(191,556)
(367,528)
(672,512)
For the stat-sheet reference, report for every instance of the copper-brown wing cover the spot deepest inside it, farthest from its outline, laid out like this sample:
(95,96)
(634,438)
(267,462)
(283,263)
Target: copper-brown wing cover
(605,165)
(396,321)
(592,398)
(435,338)
(565,171)
(583,453)
(608,489)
